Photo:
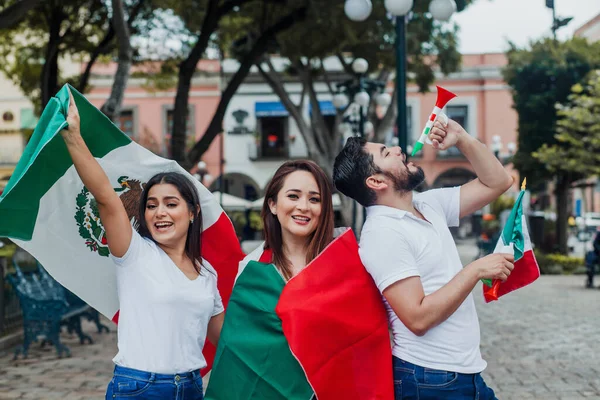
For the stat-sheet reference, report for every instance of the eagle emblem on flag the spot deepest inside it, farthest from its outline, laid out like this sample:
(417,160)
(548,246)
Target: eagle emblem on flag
(87,215)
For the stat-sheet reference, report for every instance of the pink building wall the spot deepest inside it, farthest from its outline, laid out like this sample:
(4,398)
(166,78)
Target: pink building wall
(489,101)
(149,107)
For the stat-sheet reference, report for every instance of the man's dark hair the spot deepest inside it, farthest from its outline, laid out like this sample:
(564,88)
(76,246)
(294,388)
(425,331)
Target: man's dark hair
(351,169)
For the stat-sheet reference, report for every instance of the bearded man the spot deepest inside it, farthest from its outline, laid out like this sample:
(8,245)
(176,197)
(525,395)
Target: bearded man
(407,247)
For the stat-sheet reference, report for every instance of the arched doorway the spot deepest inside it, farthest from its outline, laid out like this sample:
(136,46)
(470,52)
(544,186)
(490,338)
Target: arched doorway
(238,185)
(453,177)
(242,186)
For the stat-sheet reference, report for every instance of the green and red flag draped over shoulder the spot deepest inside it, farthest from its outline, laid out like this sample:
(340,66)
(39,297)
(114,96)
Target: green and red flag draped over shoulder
(47,211)
(514,240)
(325,332)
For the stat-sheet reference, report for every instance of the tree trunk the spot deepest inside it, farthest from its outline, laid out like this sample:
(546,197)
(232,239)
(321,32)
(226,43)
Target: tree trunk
(259,47)
(562,196)
(106,46)
(305,129)
(184,83)
(11,16)
(102,48)
(49,77)
(113,105)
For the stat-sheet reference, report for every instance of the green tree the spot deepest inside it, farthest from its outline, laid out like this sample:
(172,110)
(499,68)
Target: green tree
(13,14)
(43,33)
(577,151)
(203,20)
(325,31)
(328,32)
(540,76)
(247,40)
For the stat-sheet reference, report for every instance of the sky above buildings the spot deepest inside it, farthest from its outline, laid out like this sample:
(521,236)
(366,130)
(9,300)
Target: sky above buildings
(487,25)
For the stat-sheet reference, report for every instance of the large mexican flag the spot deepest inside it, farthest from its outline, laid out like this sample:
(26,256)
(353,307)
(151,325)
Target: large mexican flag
(514,240)
(47,211)
(325,332)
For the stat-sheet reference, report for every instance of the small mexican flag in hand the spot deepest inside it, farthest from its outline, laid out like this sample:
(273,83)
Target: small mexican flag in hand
(515,240)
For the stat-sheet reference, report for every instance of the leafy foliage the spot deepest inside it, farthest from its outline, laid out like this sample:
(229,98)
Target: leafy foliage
(541,76)
(328,31)
(504,202)
(24,49)
(577,147)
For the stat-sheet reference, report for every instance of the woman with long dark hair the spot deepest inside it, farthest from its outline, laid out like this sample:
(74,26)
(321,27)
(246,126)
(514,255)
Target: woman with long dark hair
(304,319)
(297,215)
(168,297)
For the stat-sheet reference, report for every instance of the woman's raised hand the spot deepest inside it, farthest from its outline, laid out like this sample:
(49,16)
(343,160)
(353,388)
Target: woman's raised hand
(72,130)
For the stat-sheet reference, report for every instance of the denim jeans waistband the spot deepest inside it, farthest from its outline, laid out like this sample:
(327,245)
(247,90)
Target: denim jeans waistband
(419,371)
(153,377)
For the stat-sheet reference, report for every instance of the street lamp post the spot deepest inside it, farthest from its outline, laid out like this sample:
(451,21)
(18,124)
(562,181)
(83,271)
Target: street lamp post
(440,10)
(556,22)
(401,123)
(202,172)
(360,89)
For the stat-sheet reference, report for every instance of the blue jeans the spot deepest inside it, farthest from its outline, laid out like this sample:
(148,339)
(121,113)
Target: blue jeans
(412,382)
(132,384)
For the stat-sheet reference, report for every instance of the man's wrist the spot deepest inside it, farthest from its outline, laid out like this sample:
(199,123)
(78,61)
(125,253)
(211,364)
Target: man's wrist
(463,138)
(473,272)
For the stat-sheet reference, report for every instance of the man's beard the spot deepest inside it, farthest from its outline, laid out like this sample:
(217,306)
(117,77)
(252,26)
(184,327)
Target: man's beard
(408,181)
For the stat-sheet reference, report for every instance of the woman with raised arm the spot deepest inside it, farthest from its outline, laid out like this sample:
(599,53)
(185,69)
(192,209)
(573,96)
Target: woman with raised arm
(168,297)
(304,319)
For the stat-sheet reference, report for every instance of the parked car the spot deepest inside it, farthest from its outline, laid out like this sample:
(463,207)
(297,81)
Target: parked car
(589,221)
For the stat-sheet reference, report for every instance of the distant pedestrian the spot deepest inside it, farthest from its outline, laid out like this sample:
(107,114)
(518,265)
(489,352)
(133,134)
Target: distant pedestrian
(592,259)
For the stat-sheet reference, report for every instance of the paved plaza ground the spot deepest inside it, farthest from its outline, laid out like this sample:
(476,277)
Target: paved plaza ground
(541,342)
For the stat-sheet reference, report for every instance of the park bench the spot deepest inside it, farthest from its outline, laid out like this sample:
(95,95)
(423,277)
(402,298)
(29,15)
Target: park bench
(47,306)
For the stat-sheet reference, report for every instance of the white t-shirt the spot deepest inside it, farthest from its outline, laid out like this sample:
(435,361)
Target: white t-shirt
(395,245)
(163,315)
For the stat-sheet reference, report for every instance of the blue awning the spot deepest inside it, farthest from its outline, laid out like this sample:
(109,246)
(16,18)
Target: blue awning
(270,109)
(326,107)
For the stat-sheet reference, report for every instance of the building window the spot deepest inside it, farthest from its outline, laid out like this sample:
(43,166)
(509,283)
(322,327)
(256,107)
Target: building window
(273,141)
(8,116)
(189,125)
(460,114)
(168,127)
(125,122)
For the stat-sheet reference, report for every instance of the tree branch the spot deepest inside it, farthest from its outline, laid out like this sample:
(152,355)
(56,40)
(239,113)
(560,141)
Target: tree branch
(11,16)
(105,46)
(317,121)
(277,86)
(113,104)
(326,77)
(258,48)
(347,67)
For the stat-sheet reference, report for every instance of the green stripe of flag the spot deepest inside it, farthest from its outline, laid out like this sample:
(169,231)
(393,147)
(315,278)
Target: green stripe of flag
(46,159)
(253,359)
(513,230)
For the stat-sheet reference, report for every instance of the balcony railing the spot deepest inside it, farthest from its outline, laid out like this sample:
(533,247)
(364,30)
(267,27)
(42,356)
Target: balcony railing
(257,153)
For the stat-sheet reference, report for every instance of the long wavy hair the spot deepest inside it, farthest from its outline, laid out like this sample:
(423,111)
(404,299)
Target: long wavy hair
(322,236)
(193,241)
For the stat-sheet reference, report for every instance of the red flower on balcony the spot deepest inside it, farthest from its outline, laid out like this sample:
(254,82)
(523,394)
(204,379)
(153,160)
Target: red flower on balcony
(272,140)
